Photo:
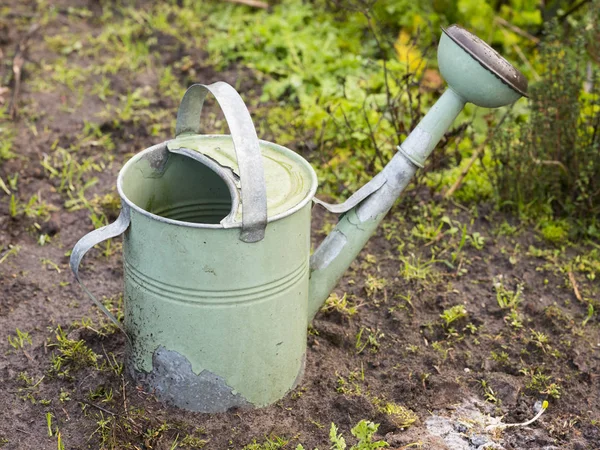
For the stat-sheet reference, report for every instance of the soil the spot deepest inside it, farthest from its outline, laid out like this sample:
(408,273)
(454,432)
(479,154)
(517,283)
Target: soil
(413,358)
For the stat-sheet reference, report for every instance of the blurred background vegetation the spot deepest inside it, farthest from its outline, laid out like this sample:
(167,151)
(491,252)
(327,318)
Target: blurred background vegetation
(344,81)
(354,77)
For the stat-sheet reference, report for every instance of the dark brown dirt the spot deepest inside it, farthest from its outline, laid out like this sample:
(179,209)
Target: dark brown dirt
(405,367)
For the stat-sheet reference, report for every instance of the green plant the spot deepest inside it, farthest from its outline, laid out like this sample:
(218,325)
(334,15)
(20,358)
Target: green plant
(549,165)
(20,340)
(72,355)
(363,431)
(372,340)
(453,314)
(341,305)
(400,416)
(541,383)
(271,443)
(488,392)
(507,299)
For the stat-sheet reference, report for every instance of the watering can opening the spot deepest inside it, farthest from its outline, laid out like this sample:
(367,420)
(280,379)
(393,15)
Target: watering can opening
(178,188)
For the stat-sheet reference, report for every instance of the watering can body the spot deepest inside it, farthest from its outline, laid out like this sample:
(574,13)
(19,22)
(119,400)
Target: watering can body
(219,281)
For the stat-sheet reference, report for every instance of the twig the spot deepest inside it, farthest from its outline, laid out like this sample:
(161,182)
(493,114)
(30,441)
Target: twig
(575,288)
(476,154)
(17,66)
(571,10)
(526,61)
(517,30)
(98,407)
(252,3)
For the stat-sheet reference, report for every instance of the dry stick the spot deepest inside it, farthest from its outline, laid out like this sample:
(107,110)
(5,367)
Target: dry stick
(575,288)
(517,30)
(526,61)
(253,3)
(465,171)
(476,154)
(96,406)
(17,66)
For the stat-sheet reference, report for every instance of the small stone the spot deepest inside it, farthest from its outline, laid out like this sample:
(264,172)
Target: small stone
(478,440)
(461,428)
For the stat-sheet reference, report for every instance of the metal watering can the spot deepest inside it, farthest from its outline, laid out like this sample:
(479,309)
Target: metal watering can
(219,281)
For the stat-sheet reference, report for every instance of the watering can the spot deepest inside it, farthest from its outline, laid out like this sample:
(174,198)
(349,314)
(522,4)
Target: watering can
(219,283)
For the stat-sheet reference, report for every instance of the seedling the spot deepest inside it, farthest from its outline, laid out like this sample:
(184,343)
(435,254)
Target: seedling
(372,340)
(341,305)
(453,314)
(507,299)
(20,340)
(401,416)
(488,392)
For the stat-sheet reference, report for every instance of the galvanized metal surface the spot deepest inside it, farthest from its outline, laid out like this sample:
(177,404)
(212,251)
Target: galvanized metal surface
(233,309)
(174,382)
(291,182)
(469,79)
(247,150)
(488,58)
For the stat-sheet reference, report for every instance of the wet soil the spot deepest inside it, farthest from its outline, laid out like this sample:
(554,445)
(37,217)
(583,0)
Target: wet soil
(396,348)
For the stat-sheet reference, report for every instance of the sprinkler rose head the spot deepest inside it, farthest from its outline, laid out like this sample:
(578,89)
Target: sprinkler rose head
(476,72)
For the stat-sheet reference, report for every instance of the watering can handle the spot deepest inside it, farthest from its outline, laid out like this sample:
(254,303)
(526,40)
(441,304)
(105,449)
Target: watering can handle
(87,242)
(246,145)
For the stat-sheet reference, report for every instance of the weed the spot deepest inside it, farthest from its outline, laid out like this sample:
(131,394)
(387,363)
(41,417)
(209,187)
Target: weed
(541,383)
(507,299)
(439,346)
(352,385)
(540,340)
(500,358)
(72,355)
(477,240)
(374,285)
(20,340)
(190,441)
(453,314)
(13,250)
(514,319)
(49,417)
(400,416)
(372,340)
(271,443)
(590,314)
(363,431)
(488,392)
(555,231)
(50,264)
(413,268)
(340,305)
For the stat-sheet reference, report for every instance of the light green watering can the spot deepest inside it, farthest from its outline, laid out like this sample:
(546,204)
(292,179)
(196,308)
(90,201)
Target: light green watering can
(219,281)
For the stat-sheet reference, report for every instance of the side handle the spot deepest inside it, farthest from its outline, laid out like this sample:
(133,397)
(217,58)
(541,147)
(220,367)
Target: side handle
(87,242)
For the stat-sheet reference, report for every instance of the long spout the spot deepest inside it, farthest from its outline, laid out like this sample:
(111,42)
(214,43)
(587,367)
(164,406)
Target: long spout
(337,251)
(476,74)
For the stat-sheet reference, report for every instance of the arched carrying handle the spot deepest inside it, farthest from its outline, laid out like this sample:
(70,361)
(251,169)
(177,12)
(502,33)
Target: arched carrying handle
(246,145)
(87,242)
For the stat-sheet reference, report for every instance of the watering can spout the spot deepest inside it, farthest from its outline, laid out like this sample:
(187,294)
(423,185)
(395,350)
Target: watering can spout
(475,73)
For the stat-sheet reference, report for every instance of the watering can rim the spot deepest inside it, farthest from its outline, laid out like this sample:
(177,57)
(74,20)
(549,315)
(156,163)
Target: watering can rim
(230,224)
(480,50)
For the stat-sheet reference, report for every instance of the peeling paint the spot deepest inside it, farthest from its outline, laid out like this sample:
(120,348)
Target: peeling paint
(175,383)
